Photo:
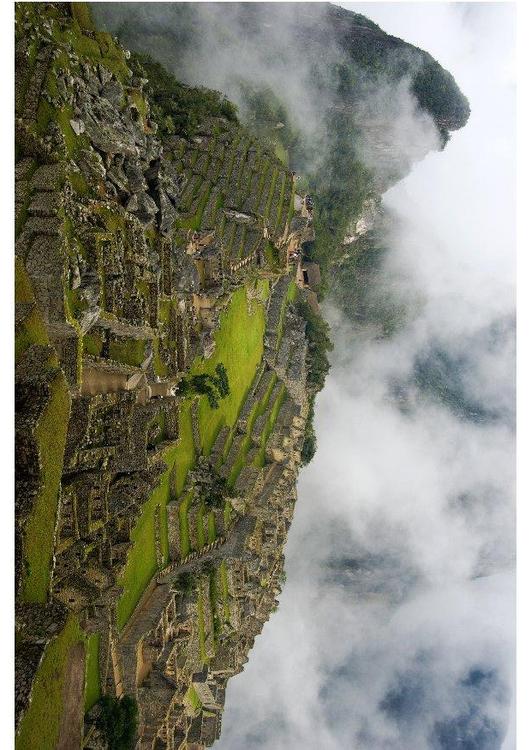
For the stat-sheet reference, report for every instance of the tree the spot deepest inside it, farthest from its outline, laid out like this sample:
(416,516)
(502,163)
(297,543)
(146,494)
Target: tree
(118,721)
(214,387)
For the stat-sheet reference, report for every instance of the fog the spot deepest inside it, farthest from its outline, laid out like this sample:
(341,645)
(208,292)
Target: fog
(396,625)
(223,47)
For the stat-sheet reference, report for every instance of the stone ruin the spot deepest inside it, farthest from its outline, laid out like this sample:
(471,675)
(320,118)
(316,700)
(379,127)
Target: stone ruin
(121,296)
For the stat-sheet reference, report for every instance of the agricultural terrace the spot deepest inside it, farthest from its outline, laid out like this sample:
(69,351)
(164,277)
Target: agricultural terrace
(239,347)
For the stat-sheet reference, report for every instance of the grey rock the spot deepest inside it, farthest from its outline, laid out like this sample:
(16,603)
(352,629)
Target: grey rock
(135,176)
(91,166)
(78,126)
(143,207)
(111,138)
(167,213)
(113,91)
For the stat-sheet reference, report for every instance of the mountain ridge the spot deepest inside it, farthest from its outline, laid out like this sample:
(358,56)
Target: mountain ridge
(169,347)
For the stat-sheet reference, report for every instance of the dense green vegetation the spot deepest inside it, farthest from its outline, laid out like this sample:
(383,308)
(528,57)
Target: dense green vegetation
(214,387)
(359,286)
(269,119)
(319,344)
(118,721)
(175,107)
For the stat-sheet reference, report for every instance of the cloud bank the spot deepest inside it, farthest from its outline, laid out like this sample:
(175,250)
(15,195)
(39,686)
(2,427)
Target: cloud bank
(396,625)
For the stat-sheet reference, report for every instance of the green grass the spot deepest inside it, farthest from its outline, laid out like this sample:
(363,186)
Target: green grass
(271,255)
(258,409)
(142,561)
(269,426)
(291,205)
(92,671)
(130,352)
(50,434)
(211,528)
(82,14)
(39,727)
(214,598)
(239,346)
(224,589)
(79,183)
(39,530)
(158,365)
(281,152)
(184,532)
(74,143)
(201,541)
(164,310)
(31,331)
(281,200)
(92,344)
(192,699)
(186,454)
(291,294)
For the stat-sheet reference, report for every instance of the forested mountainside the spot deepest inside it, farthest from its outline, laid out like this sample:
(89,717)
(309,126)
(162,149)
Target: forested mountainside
(169,346)
(350,107)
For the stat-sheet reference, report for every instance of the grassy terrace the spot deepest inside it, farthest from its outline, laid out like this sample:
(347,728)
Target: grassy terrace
(92,673)
(258,409)
(239,346)
(281,201)
(129,352)
(192,699)
(271,193)
(39,727)
(50,434)
(142,559)
(269,426)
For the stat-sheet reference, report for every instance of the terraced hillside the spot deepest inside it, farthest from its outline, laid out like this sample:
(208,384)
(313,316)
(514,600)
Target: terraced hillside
(161,396)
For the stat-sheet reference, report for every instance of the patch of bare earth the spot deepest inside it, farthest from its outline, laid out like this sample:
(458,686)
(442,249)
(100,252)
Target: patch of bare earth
(71,727)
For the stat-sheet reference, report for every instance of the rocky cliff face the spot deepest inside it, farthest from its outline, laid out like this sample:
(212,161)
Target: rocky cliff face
(168,349)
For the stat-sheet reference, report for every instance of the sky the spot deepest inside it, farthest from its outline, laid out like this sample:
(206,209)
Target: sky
(395,628)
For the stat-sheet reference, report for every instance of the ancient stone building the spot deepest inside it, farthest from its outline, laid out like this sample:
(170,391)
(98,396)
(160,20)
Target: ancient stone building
(117,297)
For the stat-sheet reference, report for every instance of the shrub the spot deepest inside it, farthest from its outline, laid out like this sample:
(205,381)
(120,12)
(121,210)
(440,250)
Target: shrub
(213,387)
(319,343)
(177,108)
(217,492)
(185,583)
(118,721)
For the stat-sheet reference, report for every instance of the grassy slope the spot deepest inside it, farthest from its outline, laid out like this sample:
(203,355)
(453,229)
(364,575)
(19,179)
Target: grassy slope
(92,674)
(39,728)
(50,434)
(239,345)
(39,542)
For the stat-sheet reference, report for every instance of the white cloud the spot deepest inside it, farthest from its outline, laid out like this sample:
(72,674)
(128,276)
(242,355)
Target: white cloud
(401,511)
